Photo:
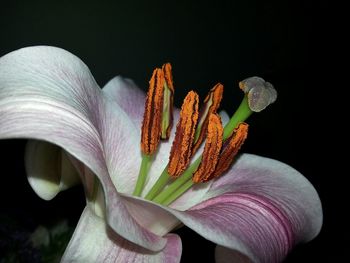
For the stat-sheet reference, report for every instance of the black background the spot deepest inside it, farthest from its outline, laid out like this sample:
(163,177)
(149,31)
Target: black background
(286,42)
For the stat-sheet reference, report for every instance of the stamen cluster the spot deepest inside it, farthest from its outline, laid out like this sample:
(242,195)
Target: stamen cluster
(193,128)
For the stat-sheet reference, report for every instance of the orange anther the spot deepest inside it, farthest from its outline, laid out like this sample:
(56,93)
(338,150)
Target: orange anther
(181,149)
(230,149)
(151,125)
(167,70)
(211,105)
(167,116)
(211,151)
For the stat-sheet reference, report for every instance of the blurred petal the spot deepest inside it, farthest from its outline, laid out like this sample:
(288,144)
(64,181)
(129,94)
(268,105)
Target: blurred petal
(93,241)
(48,94)
(128,96)
(48,168)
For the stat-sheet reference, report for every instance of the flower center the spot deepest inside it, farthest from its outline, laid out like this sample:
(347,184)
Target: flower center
(193,128)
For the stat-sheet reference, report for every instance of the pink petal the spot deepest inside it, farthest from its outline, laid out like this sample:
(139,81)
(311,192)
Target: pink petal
(261,208)
(277,181)
(128,96)
(93,241)
(49,94)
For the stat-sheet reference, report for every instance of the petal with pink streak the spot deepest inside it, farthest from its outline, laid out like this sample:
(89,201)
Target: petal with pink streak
(94,241)
(279,182)
(261,208)
(48,94)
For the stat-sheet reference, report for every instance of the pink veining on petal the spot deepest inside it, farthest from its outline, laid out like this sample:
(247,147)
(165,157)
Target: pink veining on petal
(259,223)
(278,182)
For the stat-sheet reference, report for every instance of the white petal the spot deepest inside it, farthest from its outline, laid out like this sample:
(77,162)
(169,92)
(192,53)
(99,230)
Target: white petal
(93,241)
(48,169)
(49,94)
(224,117)
(128,96)
(150,216)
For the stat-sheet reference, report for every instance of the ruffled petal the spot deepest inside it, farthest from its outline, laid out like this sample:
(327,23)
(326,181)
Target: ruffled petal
(93,241)
(48,94)
(128,96)
(48,168)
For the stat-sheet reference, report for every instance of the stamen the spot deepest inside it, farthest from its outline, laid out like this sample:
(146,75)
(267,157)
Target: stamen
(167,116)
(211,105)
(234,135)
(181,149)
(230,149)
(211,151)
(151,125)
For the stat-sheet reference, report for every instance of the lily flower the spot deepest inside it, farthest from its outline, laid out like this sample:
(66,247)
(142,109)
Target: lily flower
(255,210)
